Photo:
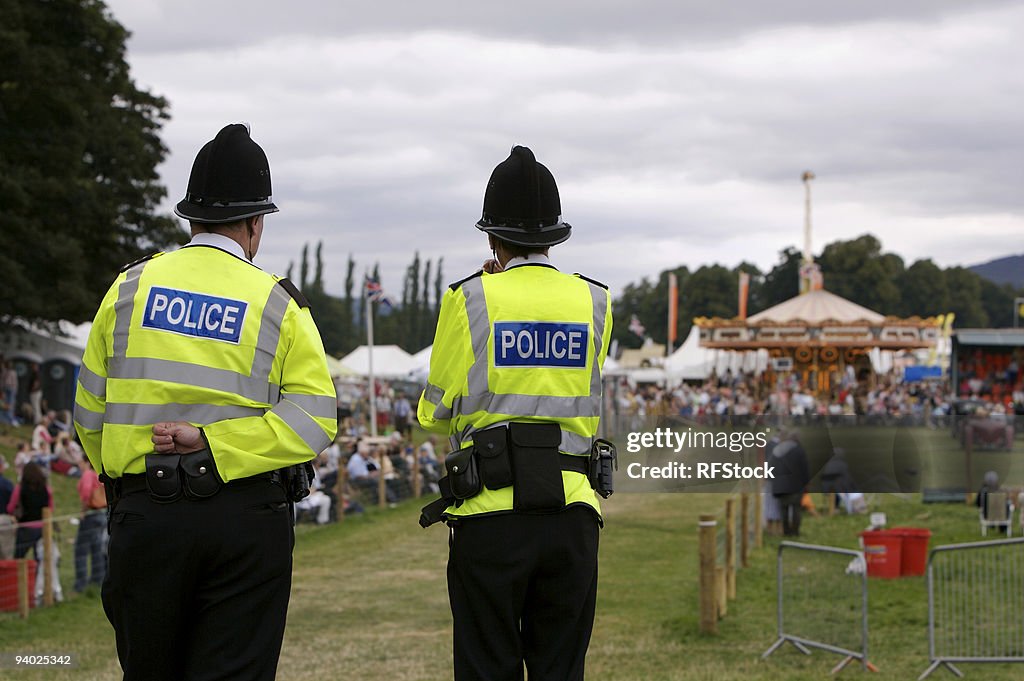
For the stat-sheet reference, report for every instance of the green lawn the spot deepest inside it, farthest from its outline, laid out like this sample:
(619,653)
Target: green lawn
(369,602)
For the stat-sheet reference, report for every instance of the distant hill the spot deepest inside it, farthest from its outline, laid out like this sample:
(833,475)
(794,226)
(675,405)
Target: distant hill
(1009,270)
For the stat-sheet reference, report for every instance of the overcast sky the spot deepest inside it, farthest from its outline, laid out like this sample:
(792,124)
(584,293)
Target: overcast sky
(677,131)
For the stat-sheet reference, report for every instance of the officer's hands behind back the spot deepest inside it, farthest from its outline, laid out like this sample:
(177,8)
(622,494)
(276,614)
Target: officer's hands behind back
(177,437)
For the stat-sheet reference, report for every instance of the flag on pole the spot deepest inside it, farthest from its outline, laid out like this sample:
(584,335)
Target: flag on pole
(673,310)
(744,293)
(636,327)
(375,292)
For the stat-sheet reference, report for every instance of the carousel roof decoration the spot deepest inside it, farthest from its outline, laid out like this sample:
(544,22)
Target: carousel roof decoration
(818,318)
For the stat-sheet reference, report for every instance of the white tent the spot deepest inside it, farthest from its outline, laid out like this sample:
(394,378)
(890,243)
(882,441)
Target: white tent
(422,358)
(421,365)
(389,361)
(337,369)
(693,362)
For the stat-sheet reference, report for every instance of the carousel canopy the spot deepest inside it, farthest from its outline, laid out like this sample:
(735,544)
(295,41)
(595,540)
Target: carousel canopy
(817,307)
(818,319)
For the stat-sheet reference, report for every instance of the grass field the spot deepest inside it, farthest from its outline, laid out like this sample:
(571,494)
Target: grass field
(369,602)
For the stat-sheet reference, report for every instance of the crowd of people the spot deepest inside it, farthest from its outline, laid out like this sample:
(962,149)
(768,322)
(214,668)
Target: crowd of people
(365,458)
(887,400)
(52,450)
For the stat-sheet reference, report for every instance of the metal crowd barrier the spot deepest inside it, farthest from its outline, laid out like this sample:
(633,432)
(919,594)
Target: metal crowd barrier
(823,602)
(975,604)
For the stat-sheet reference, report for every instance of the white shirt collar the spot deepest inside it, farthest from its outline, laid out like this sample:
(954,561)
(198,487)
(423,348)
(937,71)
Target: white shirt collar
(218,241)
(529,259)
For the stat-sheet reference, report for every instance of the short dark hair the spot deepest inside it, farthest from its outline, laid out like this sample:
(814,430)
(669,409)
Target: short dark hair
(518,250)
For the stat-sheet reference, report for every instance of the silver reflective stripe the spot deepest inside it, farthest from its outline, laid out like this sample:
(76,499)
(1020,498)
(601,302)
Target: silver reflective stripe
(442,412)
(580,406)
(323,406)
(479,331)
(270,333)
(123,309)
(93,382)
(170,371)
(433,394)
(599,296)
(574,443)
(202,414)
(303,424)
(87,418)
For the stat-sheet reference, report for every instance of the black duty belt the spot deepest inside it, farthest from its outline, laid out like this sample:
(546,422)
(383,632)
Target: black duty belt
(133,483)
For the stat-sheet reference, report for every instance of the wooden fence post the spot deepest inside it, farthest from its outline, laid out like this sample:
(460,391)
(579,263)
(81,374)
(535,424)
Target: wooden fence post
(382,484)
(417,480)
(46,564)
(759,517)
(23,587)
(745,530)
(730,548)
(708,584)
(340,488)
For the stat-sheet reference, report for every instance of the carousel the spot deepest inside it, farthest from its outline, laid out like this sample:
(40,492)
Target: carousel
(819,336)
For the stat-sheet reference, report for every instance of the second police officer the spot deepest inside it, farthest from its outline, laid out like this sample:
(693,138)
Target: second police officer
(203,384)
(515,381)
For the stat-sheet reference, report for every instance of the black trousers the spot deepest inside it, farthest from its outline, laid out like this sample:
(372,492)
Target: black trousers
(792,511)
(198,589)
(523,590)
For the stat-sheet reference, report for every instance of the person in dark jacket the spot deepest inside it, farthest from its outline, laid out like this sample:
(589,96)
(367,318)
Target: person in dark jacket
(792,473)
(33,495)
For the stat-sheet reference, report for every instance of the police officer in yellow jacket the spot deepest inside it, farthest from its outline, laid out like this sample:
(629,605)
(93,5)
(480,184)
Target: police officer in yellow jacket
(515,381)
(203,390)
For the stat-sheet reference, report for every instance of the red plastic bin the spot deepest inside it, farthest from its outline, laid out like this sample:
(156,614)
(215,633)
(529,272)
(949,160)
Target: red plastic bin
(914,554)
(883,552)
(9,584)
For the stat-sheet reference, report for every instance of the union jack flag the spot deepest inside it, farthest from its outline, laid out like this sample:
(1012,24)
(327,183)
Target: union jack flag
(637,327)
(375,292)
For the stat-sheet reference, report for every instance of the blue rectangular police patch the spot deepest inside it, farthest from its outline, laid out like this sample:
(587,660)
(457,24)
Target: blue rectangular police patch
(541,344)
(194,314)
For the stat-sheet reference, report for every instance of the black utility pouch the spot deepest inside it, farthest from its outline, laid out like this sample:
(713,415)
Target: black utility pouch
(536,467)
(492,451)
(162,478)
(201,477)
(604,461)
(298,479)
(463,474)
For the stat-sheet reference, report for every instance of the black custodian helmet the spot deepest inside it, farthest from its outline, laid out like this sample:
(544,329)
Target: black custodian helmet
(230,180)
(521,203)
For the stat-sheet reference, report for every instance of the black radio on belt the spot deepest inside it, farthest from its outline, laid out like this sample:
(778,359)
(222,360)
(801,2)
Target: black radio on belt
(297,480)
(604,461)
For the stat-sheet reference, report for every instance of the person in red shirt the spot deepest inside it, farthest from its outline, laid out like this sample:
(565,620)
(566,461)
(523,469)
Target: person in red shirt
(91,540)
(32,494)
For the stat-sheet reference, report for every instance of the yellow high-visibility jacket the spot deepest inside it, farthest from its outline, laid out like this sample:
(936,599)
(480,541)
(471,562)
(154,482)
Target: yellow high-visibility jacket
(203,336)
(524,345)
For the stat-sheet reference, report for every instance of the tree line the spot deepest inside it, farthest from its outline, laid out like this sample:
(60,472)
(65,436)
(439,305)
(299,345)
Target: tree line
(408,321)
(855,269)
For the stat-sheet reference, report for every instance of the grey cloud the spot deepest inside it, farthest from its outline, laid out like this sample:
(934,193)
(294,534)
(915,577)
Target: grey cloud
(163,25)
(673,141)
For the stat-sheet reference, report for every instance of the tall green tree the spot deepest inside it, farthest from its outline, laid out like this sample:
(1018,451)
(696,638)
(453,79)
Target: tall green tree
(426,329)
(781,283)
(348,310)
(79,148)
(923,289)
(858,270)
(965,297)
